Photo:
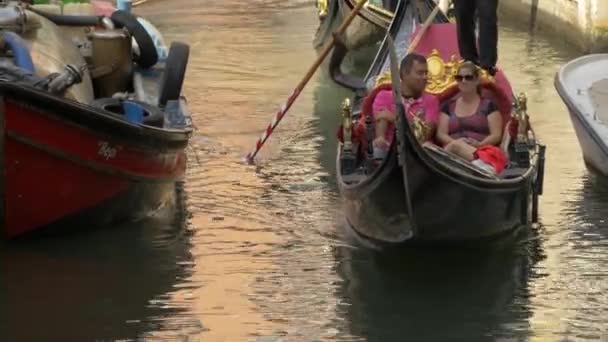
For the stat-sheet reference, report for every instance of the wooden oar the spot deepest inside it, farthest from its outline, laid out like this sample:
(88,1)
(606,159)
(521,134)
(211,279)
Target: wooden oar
(425,26)
(402,123)
(139,2)
(283,110)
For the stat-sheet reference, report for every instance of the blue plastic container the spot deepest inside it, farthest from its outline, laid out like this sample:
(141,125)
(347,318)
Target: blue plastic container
(124,5)
(133,112)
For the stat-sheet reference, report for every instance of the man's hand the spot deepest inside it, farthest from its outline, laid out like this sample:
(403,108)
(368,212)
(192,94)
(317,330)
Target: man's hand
(381,142)
(385,115)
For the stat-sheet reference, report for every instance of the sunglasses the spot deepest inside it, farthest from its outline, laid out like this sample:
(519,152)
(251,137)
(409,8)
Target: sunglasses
(459,78)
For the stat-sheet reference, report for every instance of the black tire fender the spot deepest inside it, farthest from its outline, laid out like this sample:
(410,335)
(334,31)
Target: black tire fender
(153,116)
(172,80)
(148,56)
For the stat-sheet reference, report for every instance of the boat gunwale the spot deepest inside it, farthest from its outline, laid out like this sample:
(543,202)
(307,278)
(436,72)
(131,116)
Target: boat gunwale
(372,16)
(95,120)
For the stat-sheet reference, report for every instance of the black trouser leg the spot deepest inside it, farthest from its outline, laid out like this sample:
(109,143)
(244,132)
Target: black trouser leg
(390,5)
(465,26)
(488,32)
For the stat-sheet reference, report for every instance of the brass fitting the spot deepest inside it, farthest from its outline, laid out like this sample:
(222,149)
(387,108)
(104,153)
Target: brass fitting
(522,118)
(322,7)
(347,123)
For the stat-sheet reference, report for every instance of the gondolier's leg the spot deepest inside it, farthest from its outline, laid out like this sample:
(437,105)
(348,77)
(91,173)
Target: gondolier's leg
(488,33)
(465,24)
(390,5)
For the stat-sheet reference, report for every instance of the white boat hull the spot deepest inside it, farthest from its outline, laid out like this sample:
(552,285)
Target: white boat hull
(595,152)
(583,86)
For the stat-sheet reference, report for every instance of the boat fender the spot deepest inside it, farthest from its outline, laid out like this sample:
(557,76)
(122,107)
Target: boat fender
(173,76)
(157,38)
(69,20)
(152,116)
(21,54)
(148,56)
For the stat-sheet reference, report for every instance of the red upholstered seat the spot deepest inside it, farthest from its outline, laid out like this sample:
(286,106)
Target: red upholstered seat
(441,40)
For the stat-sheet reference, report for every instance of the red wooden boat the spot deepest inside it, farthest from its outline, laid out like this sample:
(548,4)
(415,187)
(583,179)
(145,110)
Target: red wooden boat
(94,124)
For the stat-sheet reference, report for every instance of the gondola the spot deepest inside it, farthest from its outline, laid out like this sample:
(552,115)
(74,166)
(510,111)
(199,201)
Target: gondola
(94,125)
(422,194)
(367,29)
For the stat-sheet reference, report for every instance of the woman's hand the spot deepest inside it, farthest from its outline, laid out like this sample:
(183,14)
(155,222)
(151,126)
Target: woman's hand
(472,142)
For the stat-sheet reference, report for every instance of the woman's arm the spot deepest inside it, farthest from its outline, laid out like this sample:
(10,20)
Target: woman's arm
(442,129)
(495,125)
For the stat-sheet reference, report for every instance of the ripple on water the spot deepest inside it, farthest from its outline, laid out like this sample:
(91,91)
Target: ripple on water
(261,252)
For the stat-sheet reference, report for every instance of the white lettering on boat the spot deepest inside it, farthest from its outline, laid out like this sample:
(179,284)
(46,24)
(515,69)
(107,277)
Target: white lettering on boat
(106,150)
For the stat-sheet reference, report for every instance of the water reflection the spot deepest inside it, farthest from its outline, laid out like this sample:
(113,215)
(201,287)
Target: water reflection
(259,258)
(439,294)
(260,240)
(589,209)
(571,299)
(108,284)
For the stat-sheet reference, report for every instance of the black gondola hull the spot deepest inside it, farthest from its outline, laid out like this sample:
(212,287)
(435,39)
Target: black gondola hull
(444,208)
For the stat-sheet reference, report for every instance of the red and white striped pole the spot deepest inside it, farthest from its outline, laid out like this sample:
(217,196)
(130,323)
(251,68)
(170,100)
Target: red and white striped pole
(294,95)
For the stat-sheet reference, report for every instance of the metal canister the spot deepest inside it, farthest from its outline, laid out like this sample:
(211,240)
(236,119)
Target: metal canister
(111,60)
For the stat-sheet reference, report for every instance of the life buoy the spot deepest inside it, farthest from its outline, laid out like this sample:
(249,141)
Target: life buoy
(153,116)
(173,76)
(147,50)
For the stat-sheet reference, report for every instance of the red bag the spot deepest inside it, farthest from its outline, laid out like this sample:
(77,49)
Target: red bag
(492,155)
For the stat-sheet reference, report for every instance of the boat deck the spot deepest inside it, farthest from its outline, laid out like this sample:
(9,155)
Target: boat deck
(599,97)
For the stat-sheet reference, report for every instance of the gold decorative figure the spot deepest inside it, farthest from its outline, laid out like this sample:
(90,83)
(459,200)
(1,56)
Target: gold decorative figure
(441,73)
(346,123)
(322,7)
(522,117)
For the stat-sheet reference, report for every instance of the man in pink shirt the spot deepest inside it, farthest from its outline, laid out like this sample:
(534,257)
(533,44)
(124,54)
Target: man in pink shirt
(413,73)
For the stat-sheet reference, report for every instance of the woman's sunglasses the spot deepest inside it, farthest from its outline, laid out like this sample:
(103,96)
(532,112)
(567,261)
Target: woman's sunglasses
(459,78)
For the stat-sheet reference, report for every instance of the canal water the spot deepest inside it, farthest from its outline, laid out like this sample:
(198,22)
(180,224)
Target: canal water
(259,253)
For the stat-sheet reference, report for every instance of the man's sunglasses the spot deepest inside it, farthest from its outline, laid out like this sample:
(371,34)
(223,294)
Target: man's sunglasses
(459,78)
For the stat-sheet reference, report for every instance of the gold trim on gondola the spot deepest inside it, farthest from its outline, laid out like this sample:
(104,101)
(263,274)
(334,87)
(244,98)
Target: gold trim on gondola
(347,123)
(322,9)
(441,74)
(521,115)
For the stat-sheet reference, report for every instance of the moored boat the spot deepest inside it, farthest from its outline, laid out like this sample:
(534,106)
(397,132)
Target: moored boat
(583,86)
(94,123)
(367,29)
(423,194)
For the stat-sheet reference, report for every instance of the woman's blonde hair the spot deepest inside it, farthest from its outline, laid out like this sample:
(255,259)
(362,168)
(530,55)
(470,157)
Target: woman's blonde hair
(474,69)
(469,66)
